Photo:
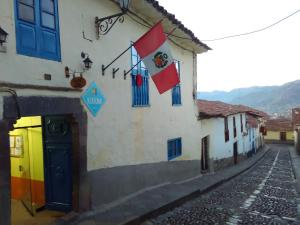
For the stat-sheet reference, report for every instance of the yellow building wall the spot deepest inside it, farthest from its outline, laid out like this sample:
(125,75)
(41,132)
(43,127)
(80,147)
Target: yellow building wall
(290,135)
(275,135)
(31,163)
(272,135)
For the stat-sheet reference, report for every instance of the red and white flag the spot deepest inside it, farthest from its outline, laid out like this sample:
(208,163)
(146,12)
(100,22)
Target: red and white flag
(154,50)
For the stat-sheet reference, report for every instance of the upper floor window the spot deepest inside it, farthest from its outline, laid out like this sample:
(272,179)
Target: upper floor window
(249,133)
(140,81)
(226,131)
(174,148)
(242,125)
(176,92)
(37,29)
(234,127)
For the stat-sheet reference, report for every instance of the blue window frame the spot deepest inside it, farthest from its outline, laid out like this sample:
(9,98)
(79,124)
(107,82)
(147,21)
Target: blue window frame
(176,92)
(174,148)
(140,94)
(37,29)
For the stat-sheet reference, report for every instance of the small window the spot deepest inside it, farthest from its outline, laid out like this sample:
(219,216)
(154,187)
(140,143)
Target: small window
(48,6)
(140,81)
(249,133)
(48,16)
(226,131)
(176,92)
(242,125)
(26,10)
(234,127)
(174,148)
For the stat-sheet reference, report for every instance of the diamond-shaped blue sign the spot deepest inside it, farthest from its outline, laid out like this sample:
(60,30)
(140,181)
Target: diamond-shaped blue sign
(93,98)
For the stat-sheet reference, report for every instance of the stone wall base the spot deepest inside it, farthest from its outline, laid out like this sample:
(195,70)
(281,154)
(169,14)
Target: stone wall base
(226,162)
(287,142)
(111,184)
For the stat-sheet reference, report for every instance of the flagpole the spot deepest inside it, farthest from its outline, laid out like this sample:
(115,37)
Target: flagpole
(105,67)
(125,73)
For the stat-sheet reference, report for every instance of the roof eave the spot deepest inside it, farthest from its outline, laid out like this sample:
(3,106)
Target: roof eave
(152,11)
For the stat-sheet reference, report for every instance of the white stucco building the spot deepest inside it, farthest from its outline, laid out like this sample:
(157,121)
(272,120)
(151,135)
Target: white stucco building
(296,127)
(138,139)
(226,134)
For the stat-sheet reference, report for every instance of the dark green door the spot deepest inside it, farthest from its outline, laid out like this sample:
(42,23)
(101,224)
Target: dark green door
(57,137)
(235,153)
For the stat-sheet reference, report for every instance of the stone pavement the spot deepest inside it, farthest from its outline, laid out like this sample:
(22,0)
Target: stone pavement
(263,195)
(152,202)
(296,167)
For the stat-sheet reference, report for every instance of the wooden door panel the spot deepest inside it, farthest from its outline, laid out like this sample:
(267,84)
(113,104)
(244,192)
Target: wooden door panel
(57,162)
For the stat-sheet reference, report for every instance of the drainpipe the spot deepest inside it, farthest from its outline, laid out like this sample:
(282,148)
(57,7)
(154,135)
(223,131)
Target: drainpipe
(13,93)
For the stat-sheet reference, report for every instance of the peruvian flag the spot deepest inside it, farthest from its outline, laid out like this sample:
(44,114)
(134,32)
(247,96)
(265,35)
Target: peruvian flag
(139,80)
(154,50)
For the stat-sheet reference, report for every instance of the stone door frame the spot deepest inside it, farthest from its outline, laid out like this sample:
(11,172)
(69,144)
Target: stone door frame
(40,106)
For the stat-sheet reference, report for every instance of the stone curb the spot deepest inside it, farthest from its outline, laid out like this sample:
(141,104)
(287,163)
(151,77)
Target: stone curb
(75,218)
(140,219)
(295,158)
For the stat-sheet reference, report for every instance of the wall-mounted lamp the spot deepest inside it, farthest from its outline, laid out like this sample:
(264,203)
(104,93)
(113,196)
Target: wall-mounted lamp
(3,36)
(86,61)
(124,4)
(103,25)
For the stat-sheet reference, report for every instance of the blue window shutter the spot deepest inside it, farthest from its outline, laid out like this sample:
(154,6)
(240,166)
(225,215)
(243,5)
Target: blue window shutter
(49,30)
(169,151)
(26,30)
(176,91)
(140,95)
(38,37)
(174,148)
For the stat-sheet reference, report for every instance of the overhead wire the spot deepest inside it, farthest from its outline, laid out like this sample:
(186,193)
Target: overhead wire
(148,25)
(254,31)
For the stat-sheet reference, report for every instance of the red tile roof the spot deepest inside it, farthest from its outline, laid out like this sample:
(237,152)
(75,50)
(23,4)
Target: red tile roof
(279,124)
(209,109)
(254,111)
(252,121)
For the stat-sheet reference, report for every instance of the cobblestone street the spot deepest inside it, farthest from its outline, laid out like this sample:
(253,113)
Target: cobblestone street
(265,194)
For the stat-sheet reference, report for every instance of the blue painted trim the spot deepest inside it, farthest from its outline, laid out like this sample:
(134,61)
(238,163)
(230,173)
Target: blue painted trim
(174,148)
(176,91)
(38,28)
(140,95)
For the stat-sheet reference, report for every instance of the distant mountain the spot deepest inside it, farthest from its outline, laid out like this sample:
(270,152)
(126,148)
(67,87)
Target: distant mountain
(275,100)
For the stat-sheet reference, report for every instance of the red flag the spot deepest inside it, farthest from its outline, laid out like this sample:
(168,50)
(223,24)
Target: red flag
(155,52)
(139,80)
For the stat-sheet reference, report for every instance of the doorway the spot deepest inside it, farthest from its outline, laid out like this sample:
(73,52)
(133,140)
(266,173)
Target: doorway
(282,136)
(40,155)
(205,154)
(235,153)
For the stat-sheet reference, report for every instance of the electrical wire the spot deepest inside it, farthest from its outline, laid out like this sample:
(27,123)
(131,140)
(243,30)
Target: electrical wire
(148,25)
(254,31)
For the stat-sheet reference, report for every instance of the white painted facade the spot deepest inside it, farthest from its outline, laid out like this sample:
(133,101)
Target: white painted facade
(250,139)
(120,134)
(214,128)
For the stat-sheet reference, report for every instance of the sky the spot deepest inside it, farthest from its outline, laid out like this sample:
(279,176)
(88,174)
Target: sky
(270,57)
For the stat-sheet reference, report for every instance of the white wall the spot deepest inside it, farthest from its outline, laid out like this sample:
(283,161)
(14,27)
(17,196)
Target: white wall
(214,127)
(120,134)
